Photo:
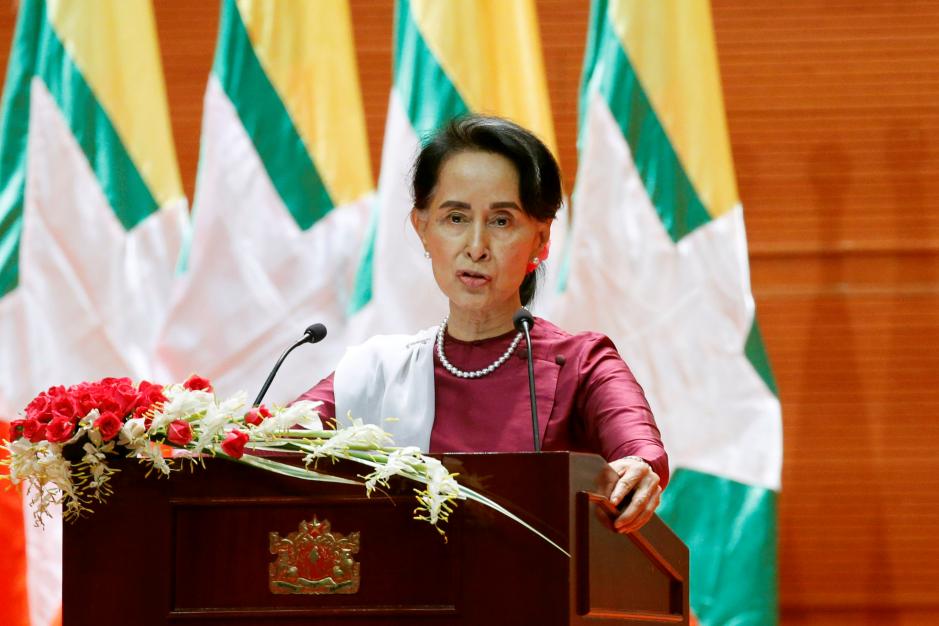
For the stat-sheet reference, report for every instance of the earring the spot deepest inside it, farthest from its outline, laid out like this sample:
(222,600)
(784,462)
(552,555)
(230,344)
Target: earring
(535,261)
(426,254)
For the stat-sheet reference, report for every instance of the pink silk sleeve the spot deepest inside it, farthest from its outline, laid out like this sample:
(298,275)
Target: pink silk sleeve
(323,392)
(618,419)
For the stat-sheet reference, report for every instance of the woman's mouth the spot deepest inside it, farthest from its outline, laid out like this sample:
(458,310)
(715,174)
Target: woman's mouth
(472,279)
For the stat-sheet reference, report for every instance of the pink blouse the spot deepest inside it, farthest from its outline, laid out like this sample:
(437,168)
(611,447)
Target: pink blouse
(588,399)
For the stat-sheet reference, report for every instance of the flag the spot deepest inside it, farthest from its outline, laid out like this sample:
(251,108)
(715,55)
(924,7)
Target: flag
(449,59)
(281,199)
(657,259)
(91,218)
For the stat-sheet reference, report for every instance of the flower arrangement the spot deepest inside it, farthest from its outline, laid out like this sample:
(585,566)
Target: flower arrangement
(62,446)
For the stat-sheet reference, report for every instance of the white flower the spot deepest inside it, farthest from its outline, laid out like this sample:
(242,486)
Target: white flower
(209,427)
(152,453)
(300,413)
(231,407)
(87,422)
(442,489)
(96,459)
(217,418)
(23,459)
(402,461)
(47,474)
(357,435)
(95,436)
(133,433)
(180,404)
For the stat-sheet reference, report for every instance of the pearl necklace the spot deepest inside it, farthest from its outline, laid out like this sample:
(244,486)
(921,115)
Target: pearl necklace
(478,373)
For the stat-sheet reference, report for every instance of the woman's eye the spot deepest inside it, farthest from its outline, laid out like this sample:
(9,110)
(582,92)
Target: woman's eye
(501,221)
(455,218)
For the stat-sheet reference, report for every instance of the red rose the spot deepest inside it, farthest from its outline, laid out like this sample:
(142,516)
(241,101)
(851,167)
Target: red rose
(109,425)
(234,444)
(148,395)
(16,429)
(34,430)
(68,416)
(125,394)
(83,395)
(253,417)
(197,383)
(107,400)
(179,432)
(60,429)
(39,409)
(257,415)
(62,404)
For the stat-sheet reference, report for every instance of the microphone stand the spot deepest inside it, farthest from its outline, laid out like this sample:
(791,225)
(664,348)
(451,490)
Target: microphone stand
(313,334)
(523,320)
(531,389)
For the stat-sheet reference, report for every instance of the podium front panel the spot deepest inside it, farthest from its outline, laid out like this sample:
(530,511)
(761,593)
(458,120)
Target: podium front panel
(197,549)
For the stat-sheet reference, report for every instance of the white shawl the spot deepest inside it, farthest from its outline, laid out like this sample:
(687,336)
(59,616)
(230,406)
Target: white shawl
(390,376)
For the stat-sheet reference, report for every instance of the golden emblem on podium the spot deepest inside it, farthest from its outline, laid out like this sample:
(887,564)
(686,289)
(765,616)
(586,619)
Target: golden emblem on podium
(314,560)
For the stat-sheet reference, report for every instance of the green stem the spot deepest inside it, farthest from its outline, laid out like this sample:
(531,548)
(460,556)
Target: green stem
(292,471)
(304,434)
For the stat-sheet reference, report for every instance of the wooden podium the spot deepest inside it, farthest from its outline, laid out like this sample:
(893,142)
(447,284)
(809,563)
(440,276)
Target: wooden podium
(197,549)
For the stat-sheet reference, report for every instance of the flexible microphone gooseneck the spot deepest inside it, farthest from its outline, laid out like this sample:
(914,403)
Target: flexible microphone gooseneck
(313,334)
(523,321)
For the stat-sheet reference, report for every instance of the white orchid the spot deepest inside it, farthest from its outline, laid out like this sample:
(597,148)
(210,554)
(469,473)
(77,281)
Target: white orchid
(401,462)
(210,426)
(302,414)
(442,489)
(153,454)
(356,436)
(46,472)
(95,459)
(181,403)
(231,407)
(23,459)
(133,433)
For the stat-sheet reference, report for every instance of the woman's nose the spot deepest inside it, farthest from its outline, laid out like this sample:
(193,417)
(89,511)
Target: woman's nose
(477,248)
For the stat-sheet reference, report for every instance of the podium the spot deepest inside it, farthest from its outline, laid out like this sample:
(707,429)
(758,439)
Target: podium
(198,549)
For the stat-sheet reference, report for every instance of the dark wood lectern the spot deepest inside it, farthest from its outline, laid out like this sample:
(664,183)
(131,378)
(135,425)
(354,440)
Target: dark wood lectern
(196,549)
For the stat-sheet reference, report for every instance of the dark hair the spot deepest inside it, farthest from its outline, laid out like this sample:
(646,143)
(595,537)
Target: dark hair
(539,177)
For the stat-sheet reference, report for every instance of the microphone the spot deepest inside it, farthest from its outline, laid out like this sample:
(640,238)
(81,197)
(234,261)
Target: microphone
(523,321)
(313,334)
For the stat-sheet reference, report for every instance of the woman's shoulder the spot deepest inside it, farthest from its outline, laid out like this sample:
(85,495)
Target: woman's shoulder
(387,352)
(581,342)
(593,355)
(552,332)
(396,342)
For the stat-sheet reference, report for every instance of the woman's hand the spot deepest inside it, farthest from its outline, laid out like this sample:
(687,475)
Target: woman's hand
(636,477)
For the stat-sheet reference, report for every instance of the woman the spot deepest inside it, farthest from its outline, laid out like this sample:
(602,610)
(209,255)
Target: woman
(485,193)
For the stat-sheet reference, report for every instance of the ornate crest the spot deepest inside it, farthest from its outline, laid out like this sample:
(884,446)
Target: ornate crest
(314,560)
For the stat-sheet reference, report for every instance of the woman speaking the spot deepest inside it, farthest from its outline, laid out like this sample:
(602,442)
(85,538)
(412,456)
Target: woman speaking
(485,193)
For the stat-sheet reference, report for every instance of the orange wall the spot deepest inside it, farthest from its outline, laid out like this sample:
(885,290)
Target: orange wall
(833,108)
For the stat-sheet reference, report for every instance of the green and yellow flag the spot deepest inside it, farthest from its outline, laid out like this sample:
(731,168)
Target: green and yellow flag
(91,219)
(281,198)
(657,259)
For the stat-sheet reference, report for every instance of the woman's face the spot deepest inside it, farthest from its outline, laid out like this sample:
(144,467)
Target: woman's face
(479,238)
